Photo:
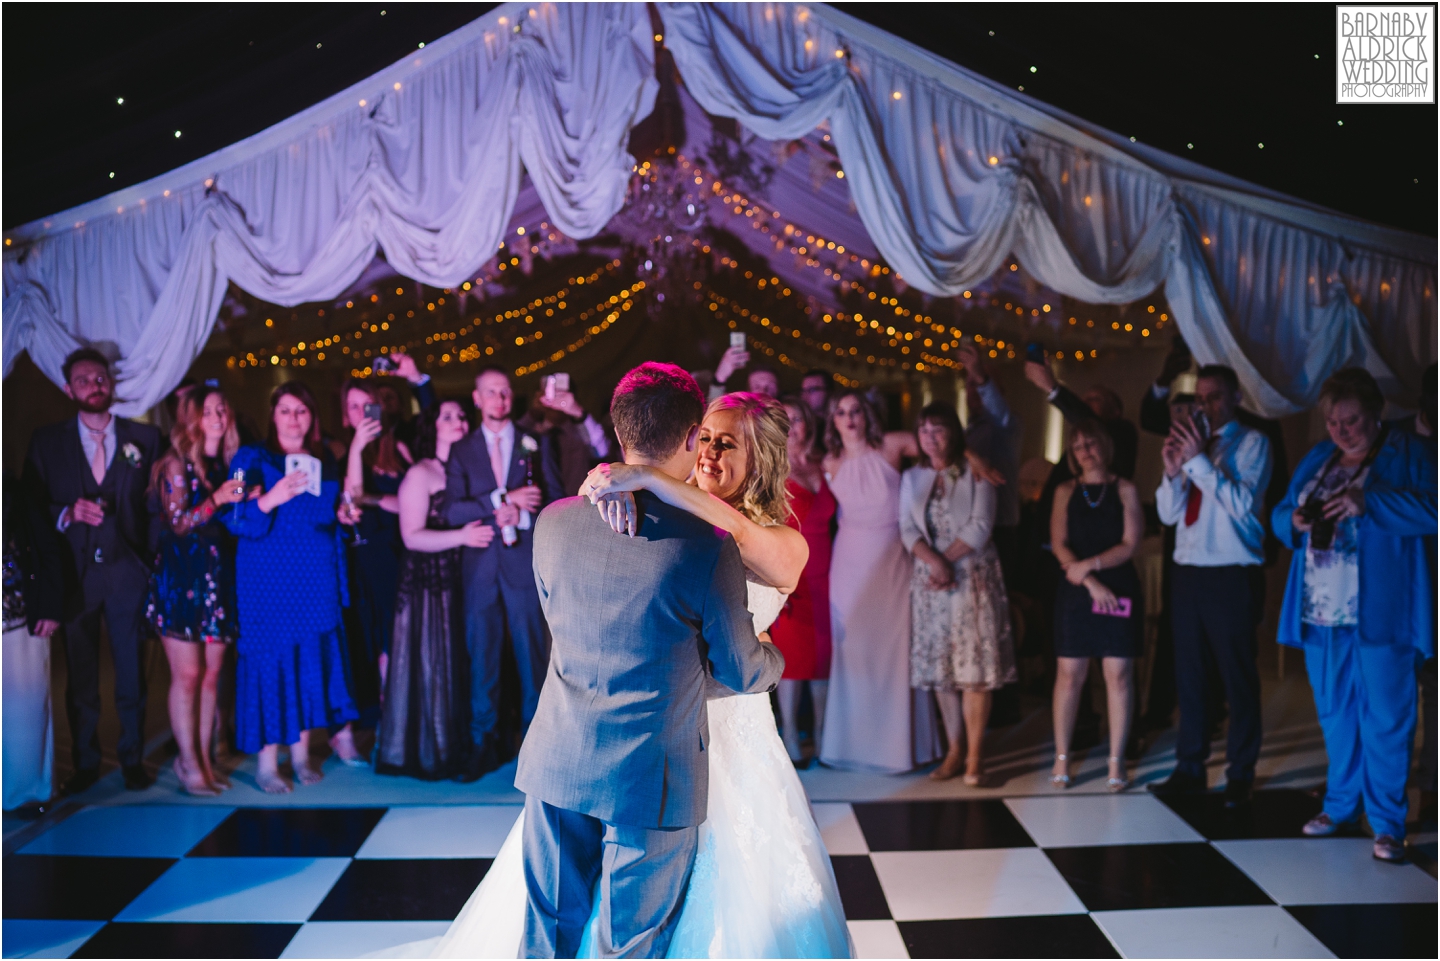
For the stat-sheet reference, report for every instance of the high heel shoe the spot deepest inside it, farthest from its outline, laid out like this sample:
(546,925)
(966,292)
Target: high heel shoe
(973,778)
(1060,781)
(1117,784)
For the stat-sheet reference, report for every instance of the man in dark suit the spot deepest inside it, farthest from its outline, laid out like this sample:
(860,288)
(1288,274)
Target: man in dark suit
(497,474)
(615,771)
(86,480)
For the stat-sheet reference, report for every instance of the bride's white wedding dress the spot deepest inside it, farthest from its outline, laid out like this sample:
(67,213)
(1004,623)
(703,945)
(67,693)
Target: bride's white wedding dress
(762,885)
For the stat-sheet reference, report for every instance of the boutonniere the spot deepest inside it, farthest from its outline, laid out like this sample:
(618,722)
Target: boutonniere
(132,455)
(528,443)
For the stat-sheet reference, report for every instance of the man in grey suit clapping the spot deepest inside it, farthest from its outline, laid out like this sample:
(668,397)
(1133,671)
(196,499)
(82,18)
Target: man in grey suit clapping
(614,767)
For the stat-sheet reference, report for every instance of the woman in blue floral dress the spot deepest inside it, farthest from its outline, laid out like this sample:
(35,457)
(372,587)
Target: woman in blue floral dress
(290,676)
(192,595)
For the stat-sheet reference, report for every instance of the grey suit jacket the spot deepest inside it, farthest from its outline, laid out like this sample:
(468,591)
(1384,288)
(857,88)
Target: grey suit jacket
(637,624)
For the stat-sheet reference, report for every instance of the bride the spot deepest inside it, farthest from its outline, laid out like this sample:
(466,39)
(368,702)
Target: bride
(762,885)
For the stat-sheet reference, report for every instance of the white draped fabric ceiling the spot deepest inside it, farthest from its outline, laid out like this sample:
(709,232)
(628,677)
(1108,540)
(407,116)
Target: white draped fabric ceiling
(949,173)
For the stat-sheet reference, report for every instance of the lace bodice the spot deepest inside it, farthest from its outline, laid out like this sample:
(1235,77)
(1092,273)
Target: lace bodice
(764,603)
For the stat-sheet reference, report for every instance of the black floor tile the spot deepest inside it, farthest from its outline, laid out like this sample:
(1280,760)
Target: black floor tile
(290,833)
(939,825)
(860,891)
(1129,876)
(77,888)
(1270,814)
(402,890)
(188,941)
(1045,936)
(1372,930)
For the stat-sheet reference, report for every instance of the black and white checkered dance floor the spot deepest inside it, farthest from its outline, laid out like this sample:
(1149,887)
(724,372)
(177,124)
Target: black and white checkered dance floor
(1065,875)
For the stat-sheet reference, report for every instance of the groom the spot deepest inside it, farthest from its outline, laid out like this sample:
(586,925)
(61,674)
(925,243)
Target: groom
(614,768)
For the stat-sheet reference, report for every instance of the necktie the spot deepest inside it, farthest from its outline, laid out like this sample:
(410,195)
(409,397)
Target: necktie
(497,461)
(1192,503)
(97,459)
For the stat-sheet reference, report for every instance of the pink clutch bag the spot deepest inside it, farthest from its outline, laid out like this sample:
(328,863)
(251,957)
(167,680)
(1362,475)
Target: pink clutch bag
(1122,611)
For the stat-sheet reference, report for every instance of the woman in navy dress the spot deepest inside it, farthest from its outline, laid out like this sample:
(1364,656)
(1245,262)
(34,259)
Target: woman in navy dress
(192,595)
(290,582)
(375,462)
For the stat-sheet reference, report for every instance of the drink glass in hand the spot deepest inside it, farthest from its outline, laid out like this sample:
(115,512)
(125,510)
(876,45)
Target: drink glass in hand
(354,513)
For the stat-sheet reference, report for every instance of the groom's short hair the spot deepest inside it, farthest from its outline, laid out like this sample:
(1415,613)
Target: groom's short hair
(654,407)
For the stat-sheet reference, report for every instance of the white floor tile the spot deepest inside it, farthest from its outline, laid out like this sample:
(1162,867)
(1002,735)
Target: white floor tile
(1252,931)
(839,829)
(1327,871)
(877,939)
(237,889)
(45,939)
(441,831)
(151,831)
(356,939)
(1067,821)
(932,885)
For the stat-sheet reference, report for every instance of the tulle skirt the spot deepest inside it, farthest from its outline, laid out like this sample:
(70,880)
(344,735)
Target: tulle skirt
(762,885)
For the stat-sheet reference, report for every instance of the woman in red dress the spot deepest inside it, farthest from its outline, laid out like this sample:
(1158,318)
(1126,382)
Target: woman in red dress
(802,631)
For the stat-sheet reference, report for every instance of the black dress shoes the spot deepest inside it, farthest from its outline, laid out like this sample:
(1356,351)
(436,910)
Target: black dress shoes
(136,777)
(1237,793)
(1177,784)
(81,781)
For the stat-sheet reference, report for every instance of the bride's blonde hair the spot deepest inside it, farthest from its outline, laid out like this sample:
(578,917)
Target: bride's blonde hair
(765,425)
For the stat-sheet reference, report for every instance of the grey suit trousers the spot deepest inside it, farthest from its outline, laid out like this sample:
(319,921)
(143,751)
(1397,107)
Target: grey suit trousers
(642,873)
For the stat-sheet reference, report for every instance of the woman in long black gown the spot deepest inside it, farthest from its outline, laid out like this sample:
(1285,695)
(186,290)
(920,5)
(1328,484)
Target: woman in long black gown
(375,462)
(424,731)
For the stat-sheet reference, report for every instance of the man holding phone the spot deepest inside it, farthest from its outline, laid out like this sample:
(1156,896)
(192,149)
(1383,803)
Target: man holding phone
(499,475)
(761,380)
(572,439)
(1216,471)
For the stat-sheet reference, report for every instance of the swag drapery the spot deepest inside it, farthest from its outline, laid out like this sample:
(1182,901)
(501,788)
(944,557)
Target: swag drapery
(949,173)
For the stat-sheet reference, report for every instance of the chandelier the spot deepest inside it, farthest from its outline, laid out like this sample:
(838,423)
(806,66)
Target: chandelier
(664,217)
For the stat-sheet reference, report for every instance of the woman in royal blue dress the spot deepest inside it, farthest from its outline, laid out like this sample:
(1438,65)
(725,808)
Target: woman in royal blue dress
(192,595)
(290,582)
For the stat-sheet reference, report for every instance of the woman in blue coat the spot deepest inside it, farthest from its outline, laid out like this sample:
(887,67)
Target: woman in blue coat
(1359,601)
(290,583)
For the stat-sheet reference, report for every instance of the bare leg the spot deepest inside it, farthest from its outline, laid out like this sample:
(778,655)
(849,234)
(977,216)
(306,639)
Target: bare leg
(305,770)
(1069,681)
(267,772)
(788,694)
(1118,672)
(951,715)
(343,744)
(977,715)
(184,658)
(214,663)
(819,691)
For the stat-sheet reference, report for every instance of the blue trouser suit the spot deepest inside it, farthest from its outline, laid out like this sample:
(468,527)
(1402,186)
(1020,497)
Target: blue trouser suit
(1365,697)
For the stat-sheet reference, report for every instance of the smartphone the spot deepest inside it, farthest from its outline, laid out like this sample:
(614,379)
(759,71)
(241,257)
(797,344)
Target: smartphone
(373,411)
(555,384)
(382,365)
(737,340)
(1123,609)
(1202,424)
(1035,352)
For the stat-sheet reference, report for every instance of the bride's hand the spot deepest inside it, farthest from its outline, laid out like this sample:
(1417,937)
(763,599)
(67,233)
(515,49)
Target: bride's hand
(614,479)
(618,510)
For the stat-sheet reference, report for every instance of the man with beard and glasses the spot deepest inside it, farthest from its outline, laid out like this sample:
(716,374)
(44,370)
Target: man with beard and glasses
(86,480)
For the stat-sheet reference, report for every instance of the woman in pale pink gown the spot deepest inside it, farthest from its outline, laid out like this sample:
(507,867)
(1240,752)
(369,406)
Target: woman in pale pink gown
(874,721)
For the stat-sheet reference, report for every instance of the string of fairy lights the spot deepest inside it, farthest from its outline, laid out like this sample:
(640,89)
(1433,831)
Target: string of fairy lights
(878,330)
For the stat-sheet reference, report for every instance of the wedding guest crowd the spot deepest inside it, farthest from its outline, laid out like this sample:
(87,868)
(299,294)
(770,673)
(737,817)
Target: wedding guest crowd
(381,578)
